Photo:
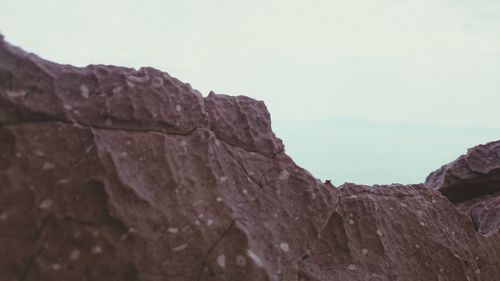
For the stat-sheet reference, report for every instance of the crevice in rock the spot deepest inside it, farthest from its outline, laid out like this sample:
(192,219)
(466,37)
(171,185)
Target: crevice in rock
(163,132)
(93,126)
(29,264)
(38,232)
(261,184)
(469,189)
(212,248)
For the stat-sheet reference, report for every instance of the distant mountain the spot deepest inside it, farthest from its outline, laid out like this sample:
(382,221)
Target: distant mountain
(351,150)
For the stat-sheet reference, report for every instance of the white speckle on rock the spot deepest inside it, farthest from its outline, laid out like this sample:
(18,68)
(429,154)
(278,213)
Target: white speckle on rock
(48,166)
(221,261)
(45,204)
(178,108)
(256,259)
(352,267)
(351,221)
(64,181)
(313,195)
(16,94)
(75,254)
(130,84)
(196,222)
(88,149)
(217,142)
(209,222)
(218,199)
(108,122)
(433,201)
(56,266)
(39,153)
(284,247)
(223,179)
(67,107)
(183,142)
(283,176)
(180,248)
(241,261)
(157,82)
(244,191)
(96,250)
(117,90)
(3,216)
(173,230)
(417,246)
(364,251)
(138,79)
(379,233)
(84,91)
(422,223)
(403,205)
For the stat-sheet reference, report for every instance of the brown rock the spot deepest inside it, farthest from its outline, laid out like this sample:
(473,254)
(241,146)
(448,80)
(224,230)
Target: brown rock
(109,173)
(242,121)
(99,96)
(135,184)
(472,182)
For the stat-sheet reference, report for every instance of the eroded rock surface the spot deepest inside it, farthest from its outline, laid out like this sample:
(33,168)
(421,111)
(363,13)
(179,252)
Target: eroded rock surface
(472,182)
(108,173)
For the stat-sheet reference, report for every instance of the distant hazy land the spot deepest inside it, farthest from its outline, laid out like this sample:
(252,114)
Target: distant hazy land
(364,152)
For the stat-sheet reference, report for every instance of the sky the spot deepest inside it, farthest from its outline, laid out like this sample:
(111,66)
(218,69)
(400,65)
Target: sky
(432,62)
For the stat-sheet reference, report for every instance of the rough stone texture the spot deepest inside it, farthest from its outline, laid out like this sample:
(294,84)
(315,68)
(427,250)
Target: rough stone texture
(472,182)
(108,173)
(399,232)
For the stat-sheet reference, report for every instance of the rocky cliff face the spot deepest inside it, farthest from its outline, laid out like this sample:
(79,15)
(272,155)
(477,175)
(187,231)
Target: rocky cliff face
(109,173)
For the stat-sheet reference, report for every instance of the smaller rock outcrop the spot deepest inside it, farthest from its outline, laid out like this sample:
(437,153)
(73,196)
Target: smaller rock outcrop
(472,183)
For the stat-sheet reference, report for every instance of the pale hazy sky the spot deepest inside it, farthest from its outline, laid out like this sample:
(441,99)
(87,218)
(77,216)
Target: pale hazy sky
(417,61)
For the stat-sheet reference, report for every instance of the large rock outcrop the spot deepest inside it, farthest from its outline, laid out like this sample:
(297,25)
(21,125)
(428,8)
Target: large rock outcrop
(111,173)
(472,183)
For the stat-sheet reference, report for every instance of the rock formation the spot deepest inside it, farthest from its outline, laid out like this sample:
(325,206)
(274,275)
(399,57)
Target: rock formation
(472,183)
(111,173)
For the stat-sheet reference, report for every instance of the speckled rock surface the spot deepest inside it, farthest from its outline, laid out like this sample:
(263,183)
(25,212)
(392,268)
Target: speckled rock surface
(472,182)
(108,173)
(399,232)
